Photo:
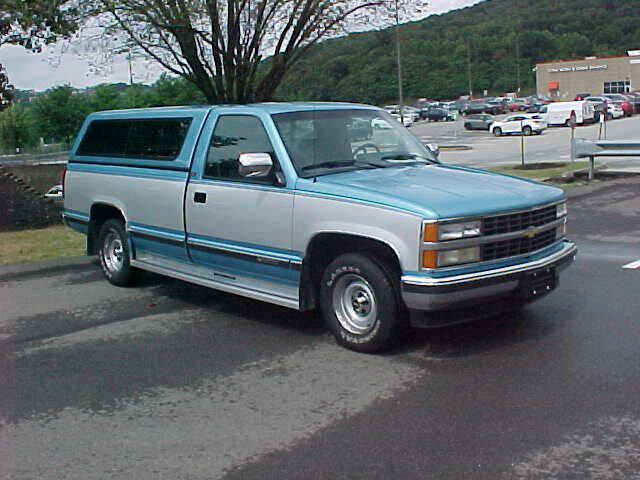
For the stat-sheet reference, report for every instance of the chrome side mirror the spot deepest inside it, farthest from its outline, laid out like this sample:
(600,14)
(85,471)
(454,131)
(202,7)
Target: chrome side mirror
(255,165)
(434,149)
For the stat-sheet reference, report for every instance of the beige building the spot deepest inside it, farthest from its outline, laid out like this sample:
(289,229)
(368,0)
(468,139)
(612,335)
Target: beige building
(564,79)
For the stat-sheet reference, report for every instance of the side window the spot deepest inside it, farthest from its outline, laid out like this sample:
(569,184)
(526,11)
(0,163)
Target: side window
(148,139)
(233,135)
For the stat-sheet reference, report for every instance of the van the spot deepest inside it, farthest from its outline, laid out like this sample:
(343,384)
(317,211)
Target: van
(566,113)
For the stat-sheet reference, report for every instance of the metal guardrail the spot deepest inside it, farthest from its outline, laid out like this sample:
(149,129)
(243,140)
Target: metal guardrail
(51,158)
(581,148)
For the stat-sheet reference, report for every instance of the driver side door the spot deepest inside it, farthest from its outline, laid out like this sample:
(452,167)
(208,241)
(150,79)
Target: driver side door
(240,227)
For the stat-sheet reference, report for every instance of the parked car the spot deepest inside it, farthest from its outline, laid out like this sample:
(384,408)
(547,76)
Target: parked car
(614,111)
(518,105)
(410,114)
(478,106)
(518,124)
(634,100)
(478,122)
(498,106)
(566,113)
(55,194)
(437,114)
(623,101)
(541,117)
(582,96)
(277,203)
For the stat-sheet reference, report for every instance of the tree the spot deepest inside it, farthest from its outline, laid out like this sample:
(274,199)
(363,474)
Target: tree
(6,89)
(32,23)
(220,45)
(59,114)
(16,129)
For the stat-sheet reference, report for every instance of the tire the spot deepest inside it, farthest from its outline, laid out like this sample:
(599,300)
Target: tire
(497,132)
(467,126)
(526,130)
(360,304)
(115,254)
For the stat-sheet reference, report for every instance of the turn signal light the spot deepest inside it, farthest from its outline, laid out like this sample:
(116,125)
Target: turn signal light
(430,259)
(431,232)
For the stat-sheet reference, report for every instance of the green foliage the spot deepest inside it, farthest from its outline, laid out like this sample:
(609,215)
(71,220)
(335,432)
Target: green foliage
(59,113)
(362,67)
(16,129)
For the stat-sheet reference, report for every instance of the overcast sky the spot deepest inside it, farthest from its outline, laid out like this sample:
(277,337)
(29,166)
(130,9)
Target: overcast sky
(35,71)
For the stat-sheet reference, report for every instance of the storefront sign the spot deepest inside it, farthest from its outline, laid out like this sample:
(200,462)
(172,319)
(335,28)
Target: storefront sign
(580,68)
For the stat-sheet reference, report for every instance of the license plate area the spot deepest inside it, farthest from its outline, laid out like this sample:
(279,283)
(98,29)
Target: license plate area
(536,284)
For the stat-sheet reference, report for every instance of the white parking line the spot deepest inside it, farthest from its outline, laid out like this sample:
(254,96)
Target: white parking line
(632,265)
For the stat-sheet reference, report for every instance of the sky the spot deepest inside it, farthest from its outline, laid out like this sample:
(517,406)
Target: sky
(57,66)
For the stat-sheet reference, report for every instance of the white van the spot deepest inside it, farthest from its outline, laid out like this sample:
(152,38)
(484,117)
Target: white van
(561,113)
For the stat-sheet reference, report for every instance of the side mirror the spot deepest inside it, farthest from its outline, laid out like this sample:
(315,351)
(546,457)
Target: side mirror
(255,165)
(434,149)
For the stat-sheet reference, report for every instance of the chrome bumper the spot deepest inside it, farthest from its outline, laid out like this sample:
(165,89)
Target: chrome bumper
(431,294)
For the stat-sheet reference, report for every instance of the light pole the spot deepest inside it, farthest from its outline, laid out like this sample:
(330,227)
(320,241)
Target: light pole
(399,61)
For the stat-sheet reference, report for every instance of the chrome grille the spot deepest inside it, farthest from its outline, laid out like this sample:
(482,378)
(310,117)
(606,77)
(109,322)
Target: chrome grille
(518,246)
(518,221)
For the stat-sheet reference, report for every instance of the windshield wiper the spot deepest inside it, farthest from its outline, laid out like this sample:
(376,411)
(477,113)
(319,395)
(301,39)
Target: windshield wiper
(329,164)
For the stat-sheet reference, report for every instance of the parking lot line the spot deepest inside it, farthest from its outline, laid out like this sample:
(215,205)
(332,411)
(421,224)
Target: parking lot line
(632,265)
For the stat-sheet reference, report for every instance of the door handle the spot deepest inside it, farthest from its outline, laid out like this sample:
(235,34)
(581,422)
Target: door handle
(199,197)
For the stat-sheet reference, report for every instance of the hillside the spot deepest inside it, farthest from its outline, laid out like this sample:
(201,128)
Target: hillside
(361,67)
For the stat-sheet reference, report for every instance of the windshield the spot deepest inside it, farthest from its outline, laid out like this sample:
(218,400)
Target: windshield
(321,142)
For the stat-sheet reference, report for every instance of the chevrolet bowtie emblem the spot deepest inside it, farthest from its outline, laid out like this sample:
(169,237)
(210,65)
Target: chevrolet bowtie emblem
(531,232)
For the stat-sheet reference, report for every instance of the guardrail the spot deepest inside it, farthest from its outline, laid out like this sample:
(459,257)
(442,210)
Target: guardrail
(50,158)
(581,148)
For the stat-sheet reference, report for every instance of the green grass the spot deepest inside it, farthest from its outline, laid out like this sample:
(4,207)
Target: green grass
(541,173)
(42,244)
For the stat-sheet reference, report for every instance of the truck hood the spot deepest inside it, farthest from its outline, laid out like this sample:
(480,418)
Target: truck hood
(435,191)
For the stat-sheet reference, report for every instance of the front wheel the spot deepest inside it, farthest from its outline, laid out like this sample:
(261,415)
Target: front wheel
(527,131)
(114,253)
(360,304)
(497,132)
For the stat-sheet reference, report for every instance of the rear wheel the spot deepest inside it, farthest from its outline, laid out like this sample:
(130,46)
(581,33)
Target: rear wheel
(467,126)
(497,131)
(115,254)
(360,303)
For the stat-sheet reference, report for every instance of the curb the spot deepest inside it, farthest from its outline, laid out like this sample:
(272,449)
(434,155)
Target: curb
(27,269)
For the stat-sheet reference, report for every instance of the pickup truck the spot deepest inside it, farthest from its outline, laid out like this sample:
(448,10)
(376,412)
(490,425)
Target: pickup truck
(289,203)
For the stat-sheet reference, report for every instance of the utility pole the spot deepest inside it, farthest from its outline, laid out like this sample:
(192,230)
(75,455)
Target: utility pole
(130,68)
(399,60)
(518,63)
(469,69)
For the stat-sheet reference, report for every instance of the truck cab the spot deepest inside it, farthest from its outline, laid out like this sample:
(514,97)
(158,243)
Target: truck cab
(310,205)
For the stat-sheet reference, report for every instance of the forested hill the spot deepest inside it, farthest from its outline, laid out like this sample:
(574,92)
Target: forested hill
(361,67)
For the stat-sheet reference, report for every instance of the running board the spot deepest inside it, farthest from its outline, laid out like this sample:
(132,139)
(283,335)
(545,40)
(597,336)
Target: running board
(224,287)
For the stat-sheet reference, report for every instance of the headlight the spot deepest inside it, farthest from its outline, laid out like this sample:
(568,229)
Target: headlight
(447,258)
(435,232)
(561,210)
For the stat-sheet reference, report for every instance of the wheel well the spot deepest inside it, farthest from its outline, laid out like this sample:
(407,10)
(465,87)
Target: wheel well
(100,213)
(326,247)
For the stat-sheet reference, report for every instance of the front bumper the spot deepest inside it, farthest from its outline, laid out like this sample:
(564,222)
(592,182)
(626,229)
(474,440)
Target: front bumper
(445,293)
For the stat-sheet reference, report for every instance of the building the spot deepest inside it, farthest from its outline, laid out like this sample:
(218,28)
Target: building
(564,79)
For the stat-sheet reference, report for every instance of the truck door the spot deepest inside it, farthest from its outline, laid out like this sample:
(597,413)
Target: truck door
(240,228)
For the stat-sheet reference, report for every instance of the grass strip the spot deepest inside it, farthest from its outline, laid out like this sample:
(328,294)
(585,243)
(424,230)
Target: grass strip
(40,244)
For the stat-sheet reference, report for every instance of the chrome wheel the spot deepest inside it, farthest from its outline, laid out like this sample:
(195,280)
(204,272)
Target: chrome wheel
(354,304)
(112,251)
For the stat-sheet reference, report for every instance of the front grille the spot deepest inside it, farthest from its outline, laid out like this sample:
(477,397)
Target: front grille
(518,246)
(518,221)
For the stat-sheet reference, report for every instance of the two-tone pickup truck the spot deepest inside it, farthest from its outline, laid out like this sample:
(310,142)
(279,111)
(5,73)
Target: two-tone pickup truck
(292,204)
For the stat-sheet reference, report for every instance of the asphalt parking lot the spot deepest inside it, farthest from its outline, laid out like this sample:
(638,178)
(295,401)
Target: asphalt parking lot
(169,380)
(554,145)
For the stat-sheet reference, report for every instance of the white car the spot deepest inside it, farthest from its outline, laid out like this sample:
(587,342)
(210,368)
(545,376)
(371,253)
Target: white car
(614,110)
(520,124)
